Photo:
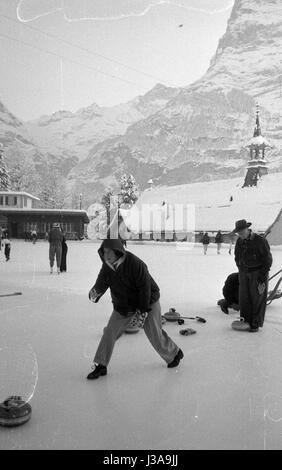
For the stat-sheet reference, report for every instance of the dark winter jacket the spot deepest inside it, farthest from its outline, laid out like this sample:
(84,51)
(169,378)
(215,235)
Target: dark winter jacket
(131,284)
(205,240)
(55,236)
(231,289)
(219,237)
(253,254)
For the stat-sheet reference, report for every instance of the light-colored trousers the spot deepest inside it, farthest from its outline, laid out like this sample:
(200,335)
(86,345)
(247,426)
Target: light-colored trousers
(117,324)
(55,250)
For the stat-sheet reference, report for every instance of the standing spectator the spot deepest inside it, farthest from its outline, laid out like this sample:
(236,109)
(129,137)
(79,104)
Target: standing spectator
(63,267)
(231,241)
(253,258)
(33,236)
(1,233)
(133,291)
(205,241)
(7,246)
(55,247)
(218,241)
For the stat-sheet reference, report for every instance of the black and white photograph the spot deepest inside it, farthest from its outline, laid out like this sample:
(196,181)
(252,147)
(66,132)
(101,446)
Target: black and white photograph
(141,227)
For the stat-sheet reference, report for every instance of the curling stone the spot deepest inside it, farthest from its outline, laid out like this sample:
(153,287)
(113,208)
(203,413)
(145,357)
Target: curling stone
(171,315)
(132,329)
(14,411)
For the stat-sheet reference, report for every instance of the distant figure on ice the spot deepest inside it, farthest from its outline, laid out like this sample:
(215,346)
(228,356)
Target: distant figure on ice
(253,258)
(7,246)
(33,236)
(218,241)
(230,293)
(205,241)
(133,291)
(232,238)
(63,267)
(55,247)
(231,198)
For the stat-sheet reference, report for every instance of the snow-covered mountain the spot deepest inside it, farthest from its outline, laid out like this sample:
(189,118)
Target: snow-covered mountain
(19,145)
(249,55)
(74,134)
(175,136)
(15,139)
(201,132)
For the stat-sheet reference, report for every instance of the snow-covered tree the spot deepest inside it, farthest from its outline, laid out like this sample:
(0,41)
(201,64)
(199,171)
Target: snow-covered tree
(23,177)
(129,191)
(51,194)
(126,198)
(4,175)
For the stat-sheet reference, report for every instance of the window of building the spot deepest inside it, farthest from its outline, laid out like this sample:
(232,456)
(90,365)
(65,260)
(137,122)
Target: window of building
(15,200)
(25,201)
(6,200)
(1,200)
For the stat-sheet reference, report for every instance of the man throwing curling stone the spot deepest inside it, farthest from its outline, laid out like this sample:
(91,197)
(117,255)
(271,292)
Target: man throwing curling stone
(133,290)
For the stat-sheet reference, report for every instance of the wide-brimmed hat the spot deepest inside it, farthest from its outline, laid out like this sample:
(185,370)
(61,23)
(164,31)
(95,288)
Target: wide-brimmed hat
(240,225)
(56,225)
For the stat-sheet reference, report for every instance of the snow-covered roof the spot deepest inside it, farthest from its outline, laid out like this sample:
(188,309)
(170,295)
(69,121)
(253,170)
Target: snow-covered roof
(258,160)
(257,141)
(257,165)
(18,193)
(223,218)
(213,209)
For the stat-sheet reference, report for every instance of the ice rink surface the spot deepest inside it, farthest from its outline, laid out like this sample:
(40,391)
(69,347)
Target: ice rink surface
(226,393)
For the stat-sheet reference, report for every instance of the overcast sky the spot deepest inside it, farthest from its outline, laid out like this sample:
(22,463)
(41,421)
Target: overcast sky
(68,54)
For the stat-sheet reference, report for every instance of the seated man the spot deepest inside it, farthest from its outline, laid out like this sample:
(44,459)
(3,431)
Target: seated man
(231,293)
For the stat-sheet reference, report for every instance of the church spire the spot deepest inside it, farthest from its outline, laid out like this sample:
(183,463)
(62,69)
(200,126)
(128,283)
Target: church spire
(257,130)
(257,164)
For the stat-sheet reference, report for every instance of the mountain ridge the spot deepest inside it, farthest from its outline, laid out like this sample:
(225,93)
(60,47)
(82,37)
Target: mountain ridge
(192,133)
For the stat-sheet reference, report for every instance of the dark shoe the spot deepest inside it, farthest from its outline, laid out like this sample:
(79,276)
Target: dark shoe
(223,305)
(224,309)
(253,330)
(177,359)
(99,370)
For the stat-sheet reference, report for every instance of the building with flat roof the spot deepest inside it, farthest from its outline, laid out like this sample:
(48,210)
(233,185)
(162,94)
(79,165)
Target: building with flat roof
(20,213)
(18,199)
